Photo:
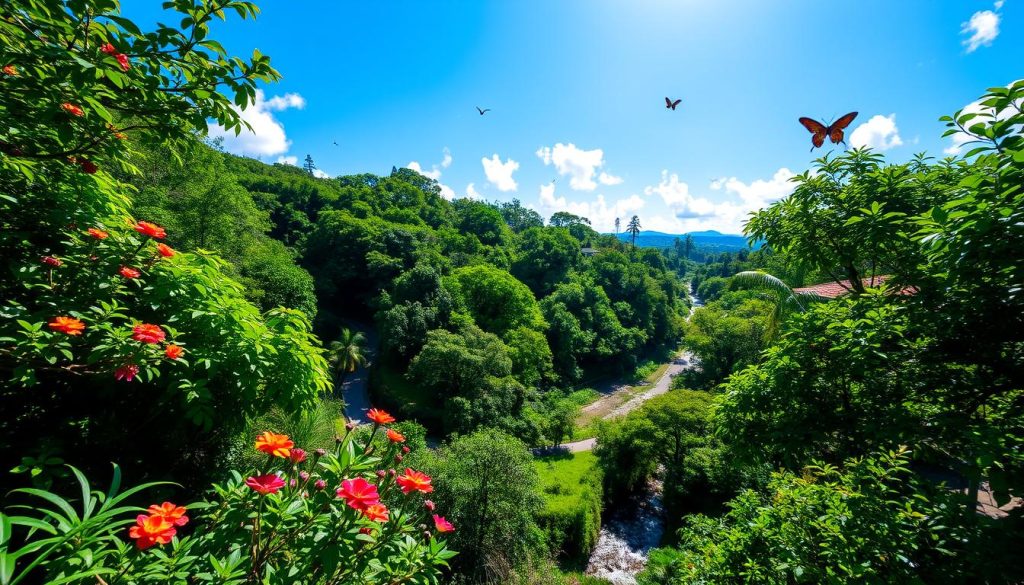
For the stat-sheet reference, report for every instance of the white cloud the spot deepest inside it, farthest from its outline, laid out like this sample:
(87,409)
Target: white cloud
(600,213)
(580,165)
(267,137)
(983,28)
(500,173)
(320,174)
(435,173)
(288,160)
(879,133)
(727,214)
(999,4)
(471,192)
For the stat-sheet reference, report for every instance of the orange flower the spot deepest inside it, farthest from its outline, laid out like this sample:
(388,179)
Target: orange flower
(98,233)
(68,325)
(126,372)
(72,109)
(442,525)
(173,351)
(395,436)
(359,494)
(165,250)
(274,444)
(170,512)
(150,229)
(414,481)
(129,272)
(150,530)
(376,512)
(51,261)
(148,333)
(379,416)
(10,70)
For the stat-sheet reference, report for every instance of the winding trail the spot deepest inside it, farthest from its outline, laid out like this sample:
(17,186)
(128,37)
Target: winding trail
(355,390)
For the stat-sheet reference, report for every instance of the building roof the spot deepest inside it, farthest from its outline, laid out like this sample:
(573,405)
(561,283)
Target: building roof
(831,290)
(588,251)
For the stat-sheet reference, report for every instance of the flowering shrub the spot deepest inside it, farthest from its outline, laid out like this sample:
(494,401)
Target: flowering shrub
(334,517)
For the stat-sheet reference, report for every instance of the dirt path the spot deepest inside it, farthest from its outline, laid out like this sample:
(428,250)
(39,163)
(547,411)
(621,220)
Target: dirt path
(623,398)
(356,388)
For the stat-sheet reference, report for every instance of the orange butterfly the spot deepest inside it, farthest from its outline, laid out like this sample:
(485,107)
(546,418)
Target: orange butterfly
(671,105)
(834,131)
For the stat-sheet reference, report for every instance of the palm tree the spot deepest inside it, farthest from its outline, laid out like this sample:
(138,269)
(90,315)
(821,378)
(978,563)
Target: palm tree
(634,228)
(787,300)
(347,353)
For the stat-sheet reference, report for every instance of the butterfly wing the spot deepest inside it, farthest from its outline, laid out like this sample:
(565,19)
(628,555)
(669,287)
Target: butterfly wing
(817,130)
(675,103)
(668,103)
(835,131)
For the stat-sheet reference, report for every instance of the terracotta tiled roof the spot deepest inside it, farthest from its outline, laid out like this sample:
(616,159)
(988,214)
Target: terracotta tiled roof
(831,290)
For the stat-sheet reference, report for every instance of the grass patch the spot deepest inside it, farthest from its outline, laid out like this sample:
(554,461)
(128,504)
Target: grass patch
(571,520)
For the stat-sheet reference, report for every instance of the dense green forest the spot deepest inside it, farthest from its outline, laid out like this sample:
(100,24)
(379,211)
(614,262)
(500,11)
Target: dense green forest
(193,316)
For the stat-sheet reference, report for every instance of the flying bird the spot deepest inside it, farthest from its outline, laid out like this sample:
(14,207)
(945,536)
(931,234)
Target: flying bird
(671,105)
(834,131)
(335,143)
(483,111)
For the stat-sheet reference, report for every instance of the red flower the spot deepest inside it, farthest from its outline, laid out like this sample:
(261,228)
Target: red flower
(126,372)
(122,59)
(108,49)
(68,325)
(51,261)
(10,70)
(170,512)
(151,530)
(165,250)
(148,333)
(376,512)
(442,525)
(129,272)
(98,233)
(358,493)
(366,530)
(297,455)
(88,167)
(150,229)
(265,484)
(274,444)
(414,481)
(395,436)
(379,416)
(72,109)
(173,351)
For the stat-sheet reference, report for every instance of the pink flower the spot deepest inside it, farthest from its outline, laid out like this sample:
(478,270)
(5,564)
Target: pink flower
(126,372)
(358,493)
(148,333)
(442,525)
(52,261)
(297,455)
(265,484)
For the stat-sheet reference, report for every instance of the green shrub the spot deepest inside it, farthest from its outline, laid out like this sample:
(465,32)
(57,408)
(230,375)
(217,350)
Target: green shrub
(571,517)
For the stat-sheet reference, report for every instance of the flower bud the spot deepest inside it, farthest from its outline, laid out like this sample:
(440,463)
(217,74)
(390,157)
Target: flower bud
(429,504)
(338,440)
(381,473)
(297,455)
(392,472)
(351,425)
(292,483)
(303,476)
(426,534)
(405,449)
(320,452)
(398,458)
(320,484)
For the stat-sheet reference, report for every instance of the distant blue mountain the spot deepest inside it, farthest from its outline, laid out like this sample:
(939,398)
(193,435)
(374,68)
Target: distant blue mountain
(707,240)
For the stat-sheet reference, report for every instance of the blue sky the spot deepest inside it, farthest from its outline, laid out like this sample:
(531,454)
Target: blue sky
(576,90)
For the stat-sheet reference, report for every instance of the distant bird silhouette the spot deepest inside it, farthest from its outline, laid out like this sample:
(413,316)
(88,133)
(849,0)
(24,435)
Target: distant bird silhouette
(671,105)
(483,111)
(834,131)
(335,143)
